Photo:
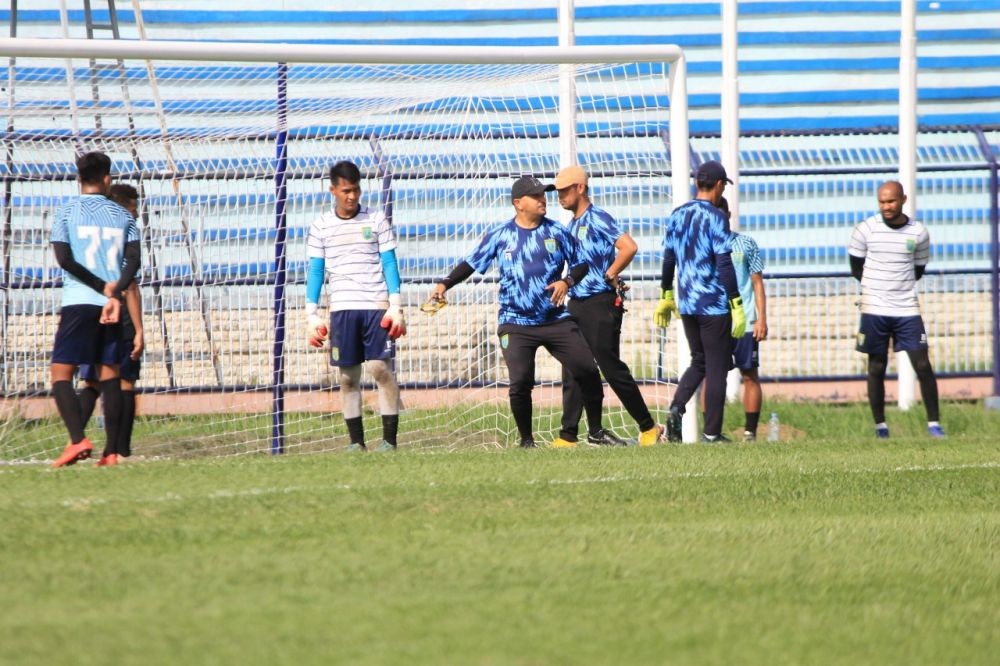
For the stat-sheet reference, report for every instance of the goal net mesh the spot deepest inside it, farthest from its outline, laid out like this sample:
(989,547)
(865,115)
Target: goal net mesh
(439,147)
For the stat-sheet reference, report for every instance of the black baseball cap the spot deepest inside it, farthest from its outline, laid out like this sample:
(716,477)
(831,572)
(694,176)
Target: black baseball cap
(711,172)
(528,185)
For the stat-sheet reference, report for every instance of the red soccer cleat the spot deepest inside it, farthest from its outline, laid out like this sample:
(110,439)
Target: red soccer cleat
(108,460)
(74,452)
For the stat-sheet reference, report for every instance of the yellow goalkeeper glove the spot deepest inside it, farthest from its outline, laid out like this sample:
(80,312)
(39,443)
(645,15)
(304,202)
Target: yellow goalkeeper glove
(665,308)
(739,317)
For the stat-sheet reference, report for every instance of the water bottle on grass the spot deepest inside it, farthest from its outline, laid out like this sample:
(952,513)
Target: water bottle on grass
(773,428)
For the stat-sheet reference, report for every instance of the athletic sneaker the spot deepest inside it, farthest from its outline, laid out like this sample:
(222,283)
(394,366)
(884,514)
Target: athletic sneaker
(605,437)
(108,460)
(675,425)
(528,444)
(935,431)
(385,446)
(74,452)
(712,439)
(354,447)
(651,436)
(882,432)
(560,443)
(749,436)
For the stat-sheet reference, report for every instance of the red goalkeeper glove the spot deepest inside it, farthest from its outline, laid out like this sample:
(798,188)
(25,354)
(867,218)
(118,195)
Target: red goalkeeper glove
(393,318)
(316,327)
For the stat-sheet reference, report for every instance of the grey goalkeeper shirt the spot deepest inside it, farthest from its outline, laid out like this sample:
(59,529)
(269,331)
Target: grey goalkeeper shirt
(888,284)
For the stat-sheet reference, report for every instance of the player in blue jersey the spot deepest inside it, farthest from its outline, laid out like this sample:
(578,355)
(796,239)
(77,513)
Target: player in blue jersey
(130,350)
(698,245)
(531,252)
(746,350)
(352,249)
(598,307)
(96,243)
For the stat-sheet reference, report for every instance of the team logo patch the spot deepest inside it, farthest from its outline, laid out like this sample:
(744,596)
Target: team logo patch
(335,353)
(550,245)
(505,340)
(861,339)
(911,245)
(366,233)
(581,233)
(508,255)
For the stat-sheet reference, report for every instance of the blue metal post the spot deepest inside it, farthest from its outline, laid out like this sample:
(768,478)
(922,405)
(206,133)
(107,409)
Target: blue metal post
(991,161)
(280,225)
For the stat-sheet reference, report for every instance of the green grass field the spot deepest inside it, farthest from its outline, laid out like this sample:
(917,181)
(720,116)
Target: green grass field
(829,549)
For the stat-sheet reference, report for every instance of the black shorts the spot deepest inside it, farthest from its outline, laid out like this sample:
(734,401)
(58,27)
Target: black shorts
(82,339)
(127,368)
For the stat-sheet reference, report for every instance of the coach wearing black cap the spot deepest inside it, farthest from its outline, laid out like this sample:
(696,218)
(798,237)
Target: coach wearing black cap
(531,252)
(697,245)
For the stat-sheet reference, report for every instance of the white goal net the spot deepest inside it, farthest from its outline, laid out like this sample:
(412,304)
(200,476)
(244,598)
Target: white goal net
(231,159)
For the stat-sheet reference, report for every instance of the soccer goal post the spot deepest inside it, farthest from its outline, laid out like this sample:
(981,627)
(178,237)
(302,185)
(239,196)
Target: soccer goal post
(229,145)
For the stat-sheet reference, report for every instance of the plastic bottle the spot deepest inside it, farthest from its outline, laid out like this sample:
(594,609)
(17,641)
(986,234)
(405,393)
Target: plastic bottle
(773,428)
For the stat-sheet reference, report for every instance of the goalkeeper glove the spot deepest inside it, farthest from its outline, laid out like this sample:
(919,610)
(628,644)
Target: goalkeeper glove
(393,318)
(316,326)
(665,308)
(739,317)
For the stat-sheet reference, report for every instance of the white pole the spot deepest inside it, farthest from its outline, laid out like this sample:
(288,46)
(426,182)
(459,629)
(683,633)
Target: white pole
(731,135)
(567,88)
(908,159)
(70,79)
(567,95)
(254,52)
(731,107)
(680,185)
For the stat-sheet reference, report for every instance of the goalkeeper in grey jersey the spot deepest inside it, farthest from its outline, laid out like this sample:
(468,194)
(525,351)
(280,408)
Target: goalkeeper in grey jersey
(888,254)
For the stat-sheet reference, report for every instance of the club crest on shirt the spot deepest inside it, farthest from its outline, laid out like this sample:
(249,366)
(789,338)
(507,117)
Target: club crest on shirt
(366,233)
(505,340)
(911,245)
(508,255)
(335,353)
(861,339)
(550,245)
(581,233)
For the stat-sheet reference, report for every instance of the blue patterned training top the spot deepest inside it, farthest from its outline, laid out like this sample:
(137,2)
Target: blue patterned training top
(696,234)
(528,260)
(596,233)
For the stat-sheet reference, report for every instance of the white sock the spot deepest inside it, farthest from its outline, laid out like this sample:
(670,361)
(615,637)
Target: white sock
(878,426)
(931,424)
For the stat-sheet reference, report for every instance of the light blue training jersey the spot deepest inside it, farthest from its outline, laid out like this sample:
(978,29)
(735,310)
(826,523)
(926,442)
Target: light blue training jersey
(747,261)
(97,230)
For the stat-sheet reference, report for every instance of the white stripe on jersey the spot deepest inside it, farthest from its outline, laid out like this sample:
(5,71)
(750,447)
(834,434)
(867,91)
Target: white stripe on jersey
(351,249)
(888,283)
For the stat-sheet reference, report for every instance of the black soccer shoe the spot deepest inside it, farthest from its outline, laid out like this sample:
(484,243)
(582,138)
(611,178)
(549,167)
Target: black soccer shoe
(528,444)
(675,425)
(604,437)
(715,439)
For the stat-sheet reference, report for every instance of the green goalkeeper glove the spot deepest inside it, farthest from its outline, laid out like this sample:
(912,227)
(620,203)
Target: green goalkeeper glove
(665,308)
(739,317)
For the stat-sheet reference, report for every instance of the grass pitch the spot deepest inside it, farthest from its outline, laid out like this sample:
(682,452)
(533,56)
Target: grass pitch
(830,549)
